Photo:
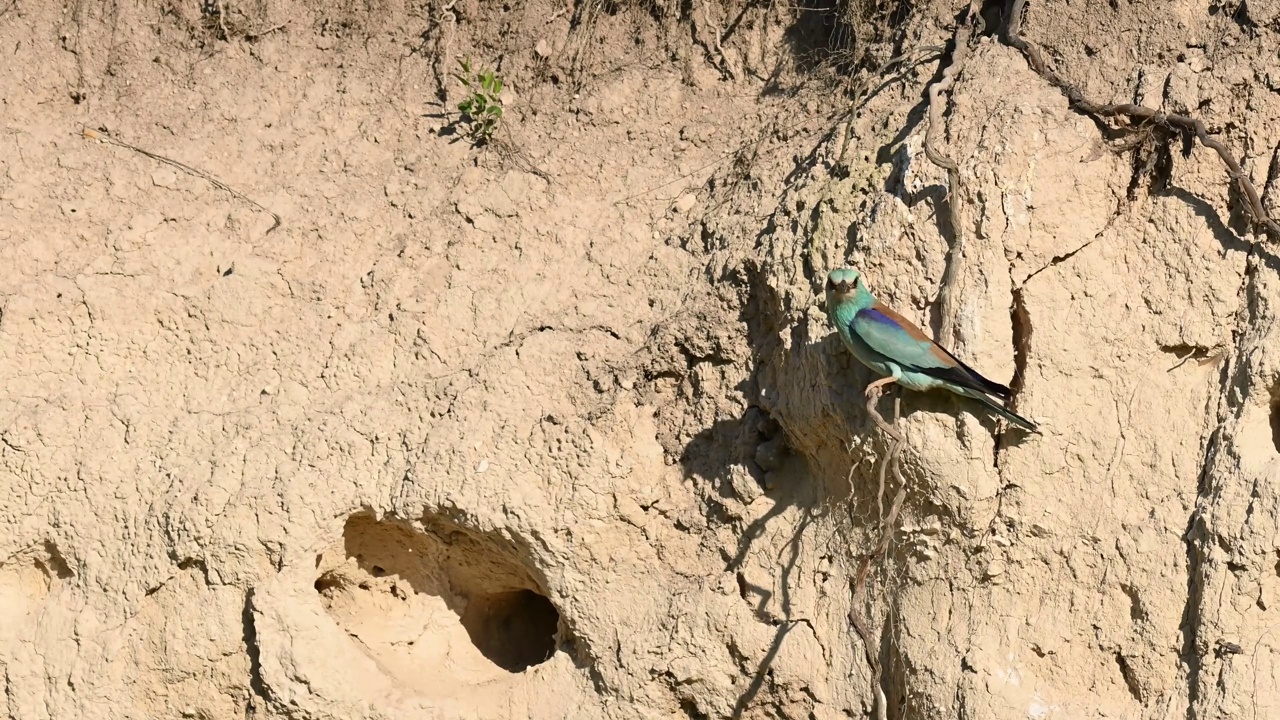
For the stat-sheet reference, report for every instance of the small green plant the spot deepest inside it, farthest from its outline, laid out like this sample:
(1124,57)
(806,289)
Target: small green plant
(482,108)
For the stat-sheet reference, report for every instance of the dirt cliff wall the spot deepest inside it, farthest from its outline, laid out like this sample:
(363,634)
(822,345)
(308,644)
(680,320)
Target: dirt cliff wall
(557,428)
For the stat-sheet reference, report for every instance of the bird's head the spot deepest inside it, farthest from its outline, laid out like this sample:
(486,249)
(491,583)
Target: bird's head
(842,284)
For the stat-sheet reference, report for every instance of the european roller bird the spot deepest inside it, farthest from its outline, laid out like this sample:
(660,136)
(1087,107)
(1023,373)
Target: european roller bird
(893,346)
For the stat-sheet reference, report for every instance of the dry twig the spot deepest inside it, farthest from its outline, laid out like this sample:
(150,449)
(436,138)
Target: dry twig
(101,136)
(222,20)
(717,37)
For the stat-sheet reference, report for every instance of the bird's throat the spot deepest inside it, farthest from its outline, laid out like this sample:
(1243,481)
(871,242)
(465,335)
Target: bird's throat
(844,310)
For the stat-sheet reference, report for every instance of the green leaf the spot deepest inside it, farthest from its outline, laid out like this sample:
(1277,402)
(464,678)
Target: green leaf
(495,111)
(497,86)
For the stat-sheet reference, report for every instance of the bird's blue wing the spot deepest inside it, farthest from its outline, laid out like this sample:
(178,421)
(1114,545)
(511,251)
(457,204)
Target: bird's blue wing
(896,339)
(900,341)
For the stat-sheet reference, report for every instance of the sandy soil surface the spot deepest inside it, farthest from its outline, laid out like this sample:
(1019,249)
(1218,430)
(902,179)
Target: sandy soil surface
(556,426)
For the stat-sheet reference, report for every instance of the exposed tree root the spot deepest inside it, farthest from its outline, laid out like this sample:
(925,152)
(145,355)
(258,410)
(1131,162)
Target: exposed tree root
(1178,124)
(937,105)
(888,525)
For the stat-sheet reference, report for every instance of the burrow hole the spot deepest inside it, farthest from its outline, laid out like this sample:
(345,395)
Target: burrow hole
(482,577)
(29,576)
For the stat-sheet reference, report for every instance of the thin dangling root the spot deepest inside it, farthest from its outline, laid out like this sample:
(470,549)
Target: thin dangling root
(874,390)
(887,527)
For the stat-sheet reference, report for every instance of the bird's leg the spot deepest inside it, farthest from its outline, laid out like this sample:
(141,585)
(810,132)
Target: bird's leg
(873,394)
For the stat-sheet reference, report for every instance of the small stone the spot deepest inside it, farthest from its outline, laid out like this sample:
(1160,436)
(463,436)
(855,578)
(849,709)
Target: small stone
(769,454)
(164,178)
(685,203)
(483,466)
(630,511)
(744,485)
(685,669)
(542,49)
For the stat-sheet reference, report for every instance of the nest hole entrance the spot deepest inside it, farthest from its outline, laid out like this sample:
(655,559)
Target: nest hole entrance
(514,629)
(439,604)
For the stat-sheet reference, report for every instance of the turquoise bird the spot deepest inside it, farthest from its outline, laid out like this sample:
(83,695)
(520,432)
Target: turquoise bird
(893,346)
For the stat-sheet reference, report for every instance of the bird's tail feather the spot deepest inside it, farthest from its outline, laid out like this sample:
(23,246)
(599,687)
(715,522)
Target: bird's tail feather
(1003,412)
